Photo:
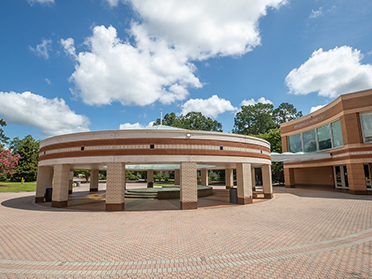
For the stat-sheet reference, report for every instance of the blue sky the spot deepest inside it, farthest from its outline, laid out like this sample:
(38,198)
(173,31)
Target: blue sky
(70,66)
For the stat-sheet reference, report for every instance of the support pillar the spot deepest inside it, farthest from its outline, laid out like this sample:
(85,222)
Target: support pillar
(70,181)
(267,183)
(176,177)
(204,177)
(229,178)
(93,187)
(289,178)
(356,179)
(244,183)
(60,187)
(189,187)
(253,179)
(150,177)
(44,180)
(115,193)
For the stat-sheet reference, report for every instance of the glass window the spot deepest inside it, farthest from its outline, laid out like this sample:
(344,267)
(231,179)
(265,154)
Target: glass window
(366,121)
(309,141)
(295,143)
(324,137)
(337,134)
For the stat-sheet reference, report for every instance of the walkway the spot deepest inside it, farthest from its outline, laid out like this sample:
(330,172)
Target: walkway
(298,234)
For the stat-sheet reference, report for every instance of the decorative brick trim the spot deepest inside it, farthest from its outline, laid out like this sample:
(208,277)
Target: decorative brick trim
(229,187)
(245,200)
(115,206)
(93,190)
(290,186)
(189,205)
(59,204)
(39,199)
(268,196)
(356,192)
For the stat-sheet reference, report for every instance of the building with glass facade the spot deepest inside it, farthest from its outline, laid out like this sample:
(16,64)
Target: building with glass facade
(343,129)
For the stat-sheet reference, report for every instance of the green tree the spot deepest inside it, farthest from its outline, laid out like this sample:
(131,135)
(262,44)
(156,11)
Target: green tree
(254,119)
(28,149)
(3,139)
(285,112)
(192,121)
(273,136)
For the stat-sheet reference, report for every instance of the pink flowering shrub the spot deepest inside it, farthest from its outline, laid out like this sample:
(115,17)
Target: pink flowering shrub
(8,162)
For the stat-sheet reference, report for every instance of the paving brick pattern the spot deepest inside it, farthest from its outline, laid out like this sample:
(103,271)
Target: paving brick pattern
(298,234)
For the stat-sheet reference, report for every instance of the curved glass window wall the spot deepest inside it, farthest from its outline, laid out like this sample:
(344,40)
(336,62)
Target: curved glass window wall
(325,137)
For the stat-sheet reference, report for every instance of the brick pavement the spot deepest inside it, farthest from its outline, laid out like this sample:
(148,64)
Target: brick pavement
(298,234)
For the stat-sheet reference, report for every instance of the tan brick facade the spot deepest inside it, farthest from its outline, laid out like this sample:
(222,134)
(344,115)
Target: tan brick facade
(267,182)
(94,176)
(115,186)
(204,177)
(150,176)
(244,183)
(356,178)
(44,180)
(229,178)
(176,177)
(61,185)
(188,182)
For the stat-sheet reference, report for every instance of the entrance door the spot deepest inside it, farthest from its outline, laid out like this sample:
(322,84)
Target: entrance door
(340,175)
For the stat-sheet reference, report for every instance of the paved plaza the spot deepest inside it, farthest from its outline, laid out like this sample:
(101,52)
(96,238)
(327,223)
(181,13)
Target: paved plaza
(301,233)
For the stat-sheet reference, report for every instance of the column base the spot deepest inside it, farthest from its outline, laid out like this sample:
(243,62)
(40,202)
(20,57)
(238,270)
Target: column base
(59,204)
(115,206)
(245,200)
(39,199)
(69,192)
(228,187)
(253,188)
(189,205)
(93,190)
(358,192)
(290,186)
(268,196)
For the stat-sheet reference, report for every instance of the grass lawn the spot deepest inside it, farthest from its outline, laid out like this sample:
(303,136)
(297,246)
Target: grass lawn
(17,187)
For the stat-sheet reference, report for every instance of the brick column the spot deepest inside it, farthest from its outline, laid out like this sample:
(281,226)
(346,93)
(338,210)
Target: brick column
(176,177)
(44,180)
(115,193)
(267,183)
(71,178)
(150,176)
(229,178)
(289,178)
(93,187)
(253,179)
(356,179)
(204,177)
(244,183)
(189,187)
(60,187)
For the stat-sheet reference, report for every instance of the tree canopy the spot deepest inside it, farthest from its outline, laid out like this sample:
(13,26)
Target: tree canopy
(192,121)
(28,149)
(261,118)
(3,139)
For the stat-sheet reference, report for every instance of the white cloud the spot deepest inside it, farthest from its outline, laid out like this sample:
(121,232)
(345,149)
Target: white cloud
(316,13)
(116,71)
(316,108)
(52,116)
(135,125)
(331,73)
(69,47)
(31,2)
(168,36)
(252,102)
(48,81)
(43,49)
(209,107)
